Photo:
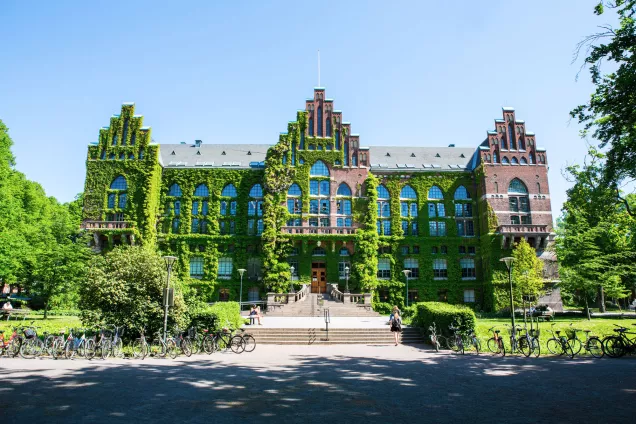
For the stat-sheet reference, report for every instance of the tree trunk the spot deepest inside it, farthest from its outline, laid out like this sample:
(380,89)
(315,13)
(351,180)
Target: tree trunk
(602,306)
(587,309)
(46,309)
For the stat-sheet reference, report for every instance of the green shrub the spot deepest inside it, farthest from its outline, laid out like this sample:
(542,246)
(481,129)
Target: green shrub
(443,314)
(217,316)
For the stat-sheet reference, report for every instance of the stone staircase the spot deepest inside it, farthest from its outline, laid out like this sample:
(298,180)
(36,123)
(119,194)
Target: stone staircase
(318,336)
(312,306)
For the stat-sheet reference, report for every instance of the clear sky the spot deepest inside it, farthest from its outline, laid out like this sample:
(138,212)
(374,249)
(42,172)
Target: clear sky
(403,73)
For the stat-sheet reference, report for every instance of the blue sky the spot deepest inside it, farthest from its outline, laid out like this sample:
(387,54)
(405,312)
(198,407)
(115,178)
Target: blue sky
(403,73)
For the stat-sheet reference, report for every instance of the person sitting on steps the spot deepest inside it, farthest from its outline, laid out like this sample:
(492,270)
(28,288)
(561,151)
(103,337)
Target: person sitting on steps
(255,314)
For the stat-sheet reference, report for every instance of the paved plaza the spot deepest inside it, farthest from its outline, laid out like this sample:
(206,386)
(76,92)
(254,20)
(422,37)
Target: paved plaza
(320,384)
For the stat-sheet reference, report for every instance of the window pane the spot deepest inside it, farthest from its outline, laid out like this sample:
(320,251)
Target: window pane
(432,228)
(202,190)
(324,188)
(514,220)
(404,209)
(256,191)
(225,267)
(408,193)
(431,210)
(469,296)
(414,209)
(383,193)
(435,193)
(344,190)
(195,207)
(405,227)
(196,266)
(228,191)
(204,208)
(459,210)
(175,190)
(514,206)
(319,169)
(441,211)
(111,200)
(313,187)
(441,228)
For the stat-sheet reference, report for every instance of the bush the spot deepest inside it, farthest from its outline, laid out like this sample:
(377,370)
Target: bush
(217,316)
(443,314)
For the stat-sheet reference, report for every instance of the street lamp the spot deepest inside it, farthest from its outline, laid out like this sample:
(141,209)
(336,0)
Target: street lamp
(407,272)
(508,261)
(166,297)
(346,280)
(241,272)
(291,270)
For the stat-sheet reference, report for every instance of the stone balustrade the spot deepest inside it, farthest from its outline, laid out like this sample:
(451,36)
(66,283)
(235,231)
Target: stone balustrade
(523,229)
(318,230)
(106,225)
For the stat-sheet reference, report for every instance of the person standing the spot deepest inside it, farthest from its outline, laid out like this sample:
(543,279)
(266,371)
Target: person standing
(396,325)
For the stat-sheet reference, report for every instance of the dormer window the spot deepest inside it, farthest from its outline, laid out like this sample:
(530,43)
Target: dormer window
(198,153)
(173,153)
(412,155)
(437,155)
(462,156)
(249,153)
(223,153)
(388,154)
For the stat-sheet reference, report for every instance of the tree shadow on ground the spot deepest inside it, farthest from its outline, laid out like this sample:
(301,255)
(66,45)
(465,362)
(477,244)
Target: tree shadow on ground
(319,388)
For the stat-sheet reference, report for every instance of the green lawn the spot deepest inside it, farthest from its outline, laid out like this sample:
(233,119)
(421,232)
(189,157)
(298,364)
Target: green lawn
(599,326)
(50,325)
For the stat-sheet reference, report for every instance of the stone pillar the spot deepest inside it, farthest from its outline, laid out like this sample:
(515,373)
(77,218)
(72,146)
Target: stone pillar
(346,298)
(291,297)
(367,298)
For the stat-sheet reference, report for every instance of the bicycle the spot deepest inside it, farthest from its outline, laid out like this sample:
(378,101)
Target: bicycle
(116,345)
(182,343)
(139,347)
(495,343)
(519,344)
(102,346)
(249,342)
(54,344)
(592,343)
(471,341)
(558,344)
(31,346)
(616,346)
(436,339)
(456,341)
(223,340)
(75,345)
(535,344)
(12,346)
(160,347)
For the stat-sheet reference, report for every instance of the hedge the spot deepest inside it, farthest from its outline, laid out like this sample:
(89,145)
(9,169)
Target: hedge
(443,315)
(217,316)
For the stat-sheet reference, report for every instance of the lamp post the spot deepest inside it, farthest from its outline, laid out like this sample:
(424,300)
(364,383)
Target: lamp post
(291,270)
(508,261)
(346,280)
(166,297)
(241,272)
(407,272)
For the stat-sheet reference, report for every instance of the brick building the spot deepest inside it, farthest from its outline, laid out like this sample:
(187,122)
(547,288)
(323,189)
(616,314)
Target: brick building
(444,215)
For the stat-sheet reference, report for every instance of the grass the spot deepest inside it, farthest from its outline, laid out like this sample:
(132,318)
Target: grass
(600,327)
(50,325)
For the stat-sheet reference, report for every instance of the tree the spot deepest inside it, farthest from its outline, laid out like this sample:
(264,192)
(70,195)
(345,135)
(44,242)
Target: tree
(610,114)
(124,287)
(527,277)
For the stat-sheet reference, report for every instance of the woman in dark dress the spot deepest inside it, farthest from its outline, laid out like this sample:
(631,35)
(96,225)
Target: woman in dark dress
(396,326)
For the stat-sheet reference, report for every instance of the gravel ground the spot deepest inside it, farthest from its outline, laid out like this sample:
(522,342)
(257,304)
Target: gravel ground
(341,383)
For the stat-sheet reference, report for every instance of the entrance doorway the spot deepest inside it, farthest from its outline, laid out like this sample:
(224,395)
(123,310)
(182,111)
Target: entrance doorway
(318,277)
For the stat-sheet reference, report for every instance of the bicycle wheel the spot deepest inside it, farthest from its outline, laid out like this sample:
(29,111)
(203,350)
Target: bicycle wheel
(171,349)
(595,347)
(442,342)
(613,346)
(536,346)
(452,344)
(137,348)
(89,349)
(118,349)
(208,344)
(502,347)
(48,344)
(435,343)
(250,343)
(492,345)
(237,344)
(196,344)
(576,345)
(27,350)
(14,347)
(69,351)
(476,345)
(58,348)
(105,349)
(186,347)
(554,346)
(157,349)
(567,348)
(524,346)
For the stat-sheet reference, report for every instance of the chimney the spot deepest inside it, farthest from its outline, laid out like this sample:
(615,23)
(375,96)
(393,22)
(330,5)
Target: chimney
(451,145)
(197,143)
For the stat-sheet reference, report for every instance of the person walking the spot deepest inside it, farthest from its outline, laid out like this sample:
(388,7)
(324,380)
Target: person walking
(396,325)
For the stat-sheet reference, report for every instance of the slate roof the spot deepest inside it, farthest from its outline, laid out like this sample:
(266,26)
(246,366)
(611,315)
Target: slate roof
(403,158)
(213,155)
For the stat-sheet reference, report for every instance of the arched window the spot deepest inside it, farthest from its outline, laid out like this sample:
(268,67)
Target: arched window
(531,158)
(310,124)
(175,190)
(202,191)
(344,190)
(319,117)
(514,161)
(346,153)
(504,161)
(522,143)
(383,193)
(511,135)
(319,169)
(461,193)
(435,193)
(517,186)
(494,157)
(228,191)
(294,190)
(328,126)
(539,188)
(119,183)
(337,140)
(408,193)
(503,143)
(256,191)
(524,161)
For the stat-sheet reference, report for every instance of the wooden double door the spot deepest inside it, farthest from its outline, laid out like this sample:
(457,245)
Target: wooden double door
(318,277)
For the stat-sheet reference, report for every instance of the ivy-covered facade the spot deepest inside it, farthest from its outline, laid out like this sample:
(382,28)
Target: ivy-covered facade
(318,208)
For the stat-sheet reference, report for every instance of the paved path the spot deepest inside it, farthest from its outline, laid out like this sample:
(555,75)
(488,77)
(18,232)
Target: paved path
(320,384)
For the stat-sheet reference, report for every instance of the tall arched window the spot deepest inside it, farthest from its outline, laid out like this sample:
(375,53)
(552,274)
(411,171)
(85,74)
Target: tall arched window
(511,137)
(519,202)
(255,209)
(319,169)
(202,191)
(343,206)
(463,213)
(119,183)
(436,211)
(310,124)
(494,157)
(531,158)
(539,188)
(408,210)
(346,153)
(337,140)
(522,143)
(503,143)
(293,153)
(319,118)
(294,204)
(175,190)
(228,209)
(328,126)
(344,266)
(384,211)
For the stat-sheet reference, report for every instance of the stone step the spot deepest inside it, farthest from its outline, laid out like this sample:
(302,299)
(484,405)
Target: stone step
(302,336)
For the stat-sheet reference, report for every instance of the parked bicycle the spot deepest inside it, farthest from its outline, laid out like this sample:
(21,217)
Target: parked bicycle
(31,346)
(75,345)
(182,342)
(558,344)
(519,343)
(224,339)
(139,346)
(456,341)
(54,344)
(619,345)
(11,346)
(495,343)
(437,340)
(160,347)
(592,344)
